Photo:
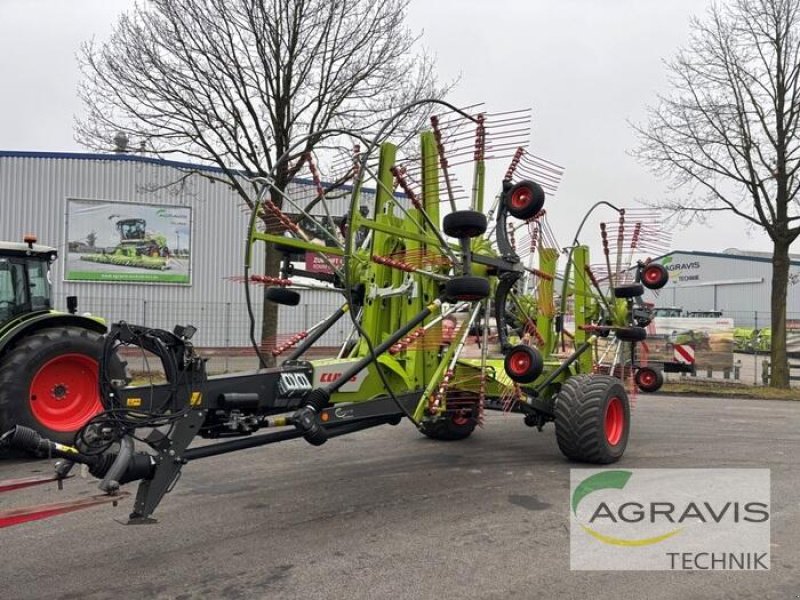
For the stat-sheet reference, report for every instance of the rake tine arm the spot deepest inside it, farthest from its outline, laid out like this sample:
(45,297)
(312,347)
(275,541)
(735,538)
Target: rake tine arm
(9,485)
(17,516)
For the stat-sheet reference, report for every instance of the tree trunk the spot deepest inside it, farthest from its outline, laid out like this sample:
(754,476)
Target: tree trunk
(272,264)
(269,314)
(779,377)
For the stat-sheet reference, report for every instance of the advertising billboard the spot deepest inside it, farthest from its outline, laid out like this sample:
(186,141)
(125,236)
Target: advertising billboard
(110,241)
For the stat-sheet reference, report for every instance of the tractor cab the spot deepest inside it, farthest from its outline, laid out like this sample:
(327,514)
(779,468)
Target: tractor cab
(131,229)
(24,278)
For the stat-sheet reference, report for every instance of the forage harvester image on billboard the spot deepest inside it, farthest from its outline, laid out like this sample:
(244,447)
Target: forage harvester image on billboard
(120,241)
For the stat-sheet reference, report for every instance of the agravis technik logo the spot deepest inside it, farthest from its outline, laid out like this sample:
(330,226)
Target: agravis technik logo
(647,519)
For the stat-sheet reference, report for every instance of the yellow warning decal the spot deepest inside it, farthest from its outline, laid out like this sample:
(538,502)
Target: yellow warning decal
(196,399)
(63,448)
(133,402)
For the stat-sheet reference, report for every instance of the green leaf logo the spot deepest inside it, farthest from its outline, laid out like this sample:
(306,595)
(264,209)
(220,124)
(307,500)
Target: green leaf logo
(599,481)
(616,480)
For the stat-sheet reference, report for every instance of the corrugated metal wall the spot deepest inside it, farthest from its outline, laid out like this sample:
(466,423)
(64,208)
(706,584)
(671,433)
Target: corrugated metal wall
(33,198)
(739,286)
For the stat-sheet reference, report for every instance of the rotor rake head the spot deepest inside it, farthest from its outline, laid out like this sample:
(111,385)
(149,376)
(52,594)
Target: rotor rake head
(634,237)
(424,241)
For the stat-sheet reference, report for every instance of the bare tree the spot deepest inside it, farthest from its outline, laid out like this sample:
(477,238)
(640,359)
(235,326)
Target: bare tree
(728,133)
(234,82)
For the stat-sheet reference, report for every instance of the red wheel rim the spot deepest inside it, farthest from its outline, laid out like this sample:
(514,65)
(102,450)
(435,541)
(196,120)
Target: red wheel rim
(647,378)
(64,392)
(615,421)
(459,419)
(521,198)
(519,362)
(652,275)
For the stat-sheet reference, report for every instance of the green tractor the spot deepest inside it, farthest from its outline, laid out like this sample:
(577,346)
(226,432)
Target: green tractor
(744,339)
(137,247)
(48,359)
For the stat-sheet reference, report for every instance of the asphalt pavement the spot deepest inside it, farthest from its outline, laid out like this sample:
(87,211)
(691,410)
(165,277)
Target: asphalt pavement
(387,513)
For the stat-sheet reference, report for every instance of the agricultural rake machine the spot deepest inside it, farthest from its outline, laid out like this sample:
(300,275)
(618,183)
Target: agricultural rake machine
(414,249)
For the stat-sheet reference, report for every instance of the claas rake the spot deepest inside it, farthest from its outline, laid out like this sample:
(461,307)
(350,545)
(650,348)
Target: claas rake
(456,307)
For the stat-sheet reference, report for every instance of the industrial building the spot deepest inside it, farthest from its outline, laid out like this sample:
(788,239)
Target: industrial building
(735,282)
(84,204)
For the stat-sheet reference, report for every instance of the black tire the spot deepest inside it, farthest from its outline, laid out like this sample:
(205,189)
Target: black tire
(654,276)
(592,419)
(64,361)
(464,224)
(466,288)
(523,364)
(648,379)
(629,291)
(524,200)
(630,334)
(451,426)
(280,295)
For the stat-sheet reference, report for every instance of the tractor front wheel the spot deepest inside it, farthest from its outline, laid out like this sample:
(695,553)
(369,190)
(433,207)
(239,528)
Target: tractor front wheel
(49,382)
(592,418)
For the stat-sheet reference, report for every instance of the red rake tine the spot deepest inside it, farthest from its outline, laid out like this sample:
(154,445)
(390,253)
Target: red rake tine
(17,516)
(9,485)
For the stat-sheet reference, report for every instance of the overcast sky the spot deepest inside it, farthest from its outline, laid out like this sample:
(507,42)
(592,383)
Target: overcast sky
(586,67)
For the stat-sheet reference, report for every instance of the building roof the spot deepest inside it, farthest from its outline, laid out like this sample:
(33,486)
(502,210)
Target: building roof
(756,253)
(111,156)
(762,257)
(139,158)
